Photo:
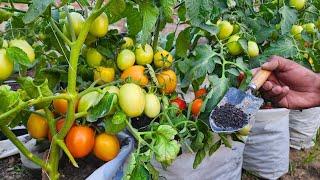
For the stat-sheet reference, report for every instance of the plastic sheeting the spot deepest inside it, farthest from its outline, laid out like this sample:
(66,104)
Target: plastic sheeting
(303,126)
(266,153)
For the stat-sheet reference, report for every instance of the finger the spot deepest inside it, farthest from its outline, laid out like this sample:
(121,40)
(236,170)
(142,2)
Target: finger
(284,92)
(254,71)
(275,91)
(267,86)
(275,63)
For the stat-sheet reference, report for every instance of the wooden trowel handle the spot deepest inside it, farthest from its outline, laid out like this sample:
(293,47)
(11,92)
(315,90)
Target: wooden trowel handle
(260,77)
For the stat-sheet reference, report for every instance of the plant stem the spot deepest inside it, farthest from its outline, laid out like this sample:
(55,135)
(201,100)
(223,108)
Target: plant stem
(12,137)
(56,28)
(156,35)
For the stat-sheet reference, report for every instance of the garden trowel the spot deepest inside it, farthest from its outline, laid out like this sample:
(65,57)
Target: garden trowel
(238,103)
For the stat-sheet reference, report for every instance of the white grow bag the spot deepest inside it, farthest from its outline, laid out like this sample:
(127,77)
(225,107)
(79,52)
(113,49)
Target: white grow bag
(303,126)
(224,164)
(266,153)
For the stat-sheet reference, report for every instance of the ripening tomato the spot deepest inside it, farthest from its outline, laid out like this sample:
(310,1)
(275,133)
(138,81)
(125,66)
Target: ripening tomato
(240,77)
(168,81)
(125,59)
(77,22)
(60,105)
(24,46)
(310,28)
(59,125)
(80,141)
(93,57)
(162,59)
(136,73)
(253,49)
(200,93)
(37,125)
(152,106)
(144,54)
(6,65)
(106,147)
(236,28)
(128,43)
(298,4)
(196,107)
(132,99)
(225,29)
(104,75)
(180,103)
(234,46)
(296,31)
(99,26)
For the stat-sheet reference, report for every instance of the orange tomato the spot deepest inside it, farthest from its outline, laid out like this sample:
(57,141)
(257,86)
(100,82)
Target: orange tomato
(106,147)
(37,126)
(196,107)
(59,125)
(201,92)
(60,105)
(136,73)
(80,141)
(168,81)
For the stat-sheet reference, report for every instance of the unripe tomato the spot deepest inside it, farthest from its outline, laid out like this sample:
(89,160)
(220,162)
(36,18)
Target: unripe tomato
(128,43)
(6,65)
(93,57)
(37,126)
(162,59)
(132,99)
(144,54)
(77,22)
(60,105)
(112,89)
(88,100)
(90,39)
(196,107)
(253,49)
(104,75)
(136,73)
(296,31)
(180,103)
(225,29)
(310,28)
(99,27)
(236,28)
(125,59)
(80,141)
(245,130)
(318,23)
(234,46)
(200,93)
(168,81)
(298,4)
(152,107)
(24,46)
(106,147)
(5,44)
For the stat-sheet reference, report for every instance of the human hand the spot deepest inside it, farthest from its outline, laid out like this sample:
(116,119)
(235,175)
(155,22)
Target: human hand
(291,85)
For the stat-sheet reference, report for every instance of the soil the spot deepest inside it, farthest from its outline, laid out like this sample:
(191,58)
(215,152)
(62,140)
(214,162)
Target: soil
(228,116)
(11,168)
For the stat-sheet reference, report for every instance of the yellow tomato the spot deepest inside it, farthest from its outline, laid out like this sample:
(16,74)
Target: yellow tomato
(128,43)
(104,75)
(6,66)
(37,126)
(162,59)
(144,54)
(99,27)
(93,57)
(234,46)
(168,81)
(225,29)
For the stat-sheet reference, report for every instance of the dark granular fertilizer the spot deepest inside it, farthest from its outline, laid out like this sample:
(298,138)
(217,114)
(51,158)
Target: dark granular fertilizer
(228,116)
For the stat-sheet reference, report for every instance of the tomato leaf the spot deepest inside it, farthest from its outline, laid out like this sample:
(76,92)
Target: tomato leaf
(182,12)
(9,99)
(153,171)
(214,147)
(283,47)
(166,150)
(197,142)
(115,9)
(183,43)
(199,158)
(150,14)
(167,8)
(134,19)
(4,15)
(37,8)
(115,124)
(88,100)
(170,40)
(16,54)
(289,17)
(166,131)
(225,140)
(140,172)
(104,107)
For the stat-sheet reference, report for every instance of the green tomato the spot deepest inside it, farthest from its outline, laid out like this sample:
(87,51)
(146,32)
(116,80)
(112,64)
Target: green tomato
(24,46)
(225,29)
(128,43)
(245,130)
(253,49)
(152,107)
(144,55)
(236,29)
(6,65)
(318,24)
(93,57)
(77,22)
(99,27)
(132,100)
(234,46)
(125,59)
(298,4)
(310,28)
(296,31)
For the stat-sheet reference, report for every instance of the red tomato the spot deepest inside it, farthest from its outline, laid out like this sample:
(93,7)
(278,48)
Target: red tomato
(201,92)
(179,102)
